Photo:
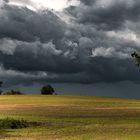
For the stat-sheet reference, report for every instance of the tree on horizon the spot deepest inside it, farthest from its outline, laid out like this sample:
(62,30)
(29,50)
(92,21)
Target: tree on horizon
(47,90)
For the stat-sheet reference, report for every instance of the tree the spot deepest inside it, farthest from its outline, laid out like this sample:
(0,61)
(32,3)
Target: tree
(137,58)
(0,87)
(47,90)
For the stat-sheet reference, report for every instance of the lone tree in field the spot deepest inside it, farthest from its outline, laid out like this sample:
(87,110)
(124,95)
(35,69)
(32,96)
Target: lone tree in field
(137,58)
(47,90)
(0,87)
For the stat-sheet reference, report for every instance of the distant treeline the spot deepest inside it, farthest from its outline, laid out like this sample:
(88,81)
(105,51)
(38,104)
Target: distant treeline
(45,90)
(12,92)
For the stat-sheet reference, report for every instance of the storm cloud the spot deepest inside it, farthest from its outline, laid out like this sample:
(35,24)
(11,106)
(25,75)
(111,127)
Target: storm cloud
(106,14)
(92,45)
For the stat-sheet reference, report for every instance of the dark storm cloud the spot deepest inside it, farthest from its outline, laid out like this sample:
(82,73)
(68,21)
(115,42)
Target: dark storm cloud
(107,14)
(88,2)
(38,46)
(27,25)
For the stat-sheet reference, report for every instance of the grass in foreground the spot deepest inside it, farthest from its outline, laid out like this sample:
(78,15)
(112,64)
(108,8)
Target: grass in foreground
(71,118)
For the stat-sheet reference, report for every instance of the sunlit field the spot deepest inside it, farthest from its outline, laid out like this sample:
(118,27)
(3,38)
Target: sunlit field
(71,118)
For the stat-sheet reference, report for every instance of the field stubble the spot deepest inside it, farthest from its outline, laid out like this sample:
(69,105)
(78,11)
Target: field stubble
(71,118)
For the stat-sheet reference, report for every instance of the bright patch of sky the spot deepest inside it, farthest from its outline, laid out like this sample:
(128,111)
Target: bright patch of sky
(57,5)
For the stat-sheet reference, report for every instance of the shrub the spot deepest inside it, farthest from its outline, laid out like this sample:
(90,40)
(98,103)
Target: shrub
(13,124)
(13,92)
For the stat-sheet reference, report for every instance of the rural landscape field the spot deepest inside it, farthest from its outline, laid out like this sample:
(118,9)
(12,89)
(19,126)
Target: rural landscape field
(71,118)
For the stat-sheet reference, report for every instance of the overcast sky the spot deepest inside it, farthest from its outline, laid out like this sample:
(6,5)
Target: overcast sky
(82,44)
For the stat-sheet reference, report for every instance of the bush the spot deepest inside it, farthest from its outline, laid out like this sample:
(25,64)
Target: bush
(18,124)
(13,124)
(13,92)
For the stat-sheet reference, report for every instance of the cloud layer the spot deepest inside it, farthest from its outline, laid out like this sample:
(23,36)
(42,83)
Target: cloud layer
(93,46)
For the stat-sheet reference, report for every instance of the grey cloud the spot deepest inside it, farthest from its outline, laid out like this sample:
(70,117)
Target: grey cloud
(103,70)
(36,56)
(7,46)
(39,41)
(74,65)
(6,0)
(26,25)
(106,15)
(88,2)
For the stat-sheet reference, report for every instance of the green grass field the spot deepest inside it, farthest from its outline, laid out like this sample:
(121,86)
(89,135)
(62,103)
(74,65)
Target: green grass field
(71,118)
